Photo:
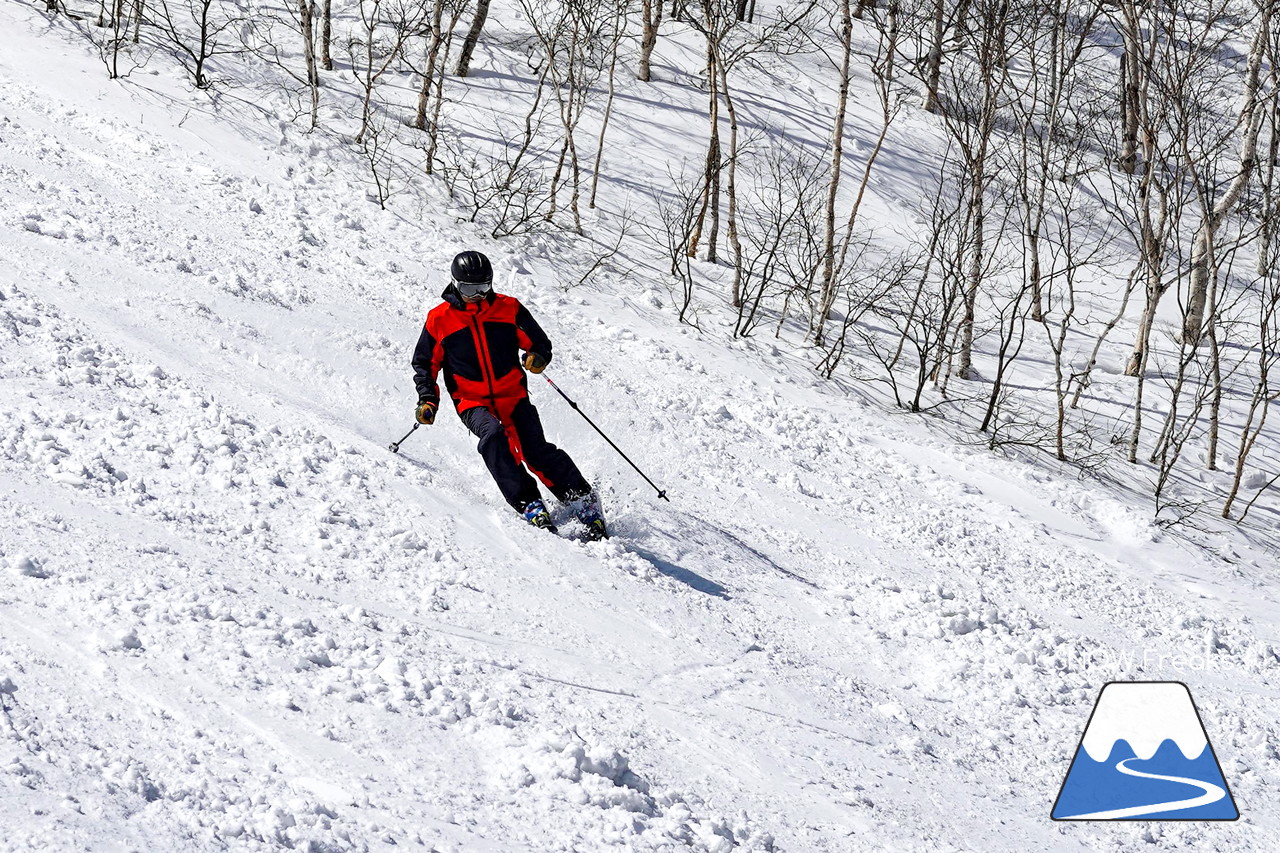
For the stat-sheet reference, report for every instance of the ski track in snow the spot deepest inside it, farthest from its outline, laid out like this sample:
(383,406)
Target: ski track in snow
(230,618)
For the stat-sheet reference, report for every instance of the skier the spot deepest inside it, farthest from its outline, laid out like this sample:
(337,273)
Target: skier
(475,336)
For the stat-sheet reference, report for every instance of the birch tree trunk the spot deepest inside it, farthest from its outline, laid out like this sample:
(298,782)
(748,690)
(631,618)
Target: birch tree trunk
(1266,249)
(973,275)
(827,297)
(326,36)
(309,55)
(651,19)
(1202,266)
(433,55)
(608,107)
(933,73)
(473,36)
(437,103)
(977,154)
(711,181)
(1151,251)
(734,242)
(1130,88)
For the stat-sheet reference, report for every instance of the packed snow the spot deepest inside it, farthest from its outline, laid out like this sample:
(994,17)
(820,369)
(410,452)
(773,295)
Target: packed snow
(231,618)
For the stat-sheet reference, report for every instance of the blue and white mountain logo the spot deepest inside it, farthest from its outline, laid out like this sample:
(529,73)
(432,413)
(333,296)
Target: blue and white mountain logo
(1145,756)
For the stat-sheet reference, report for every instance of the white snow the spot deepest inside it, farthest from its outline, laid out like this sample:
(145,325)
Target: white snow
(231,618)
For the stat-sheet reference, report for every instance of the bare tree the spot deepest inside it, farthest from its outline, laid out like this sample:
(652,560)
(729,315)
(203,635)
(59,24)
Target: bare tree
(384,27)
(197,31)
(924,314)
(929,20)
(677,211)
(974,91)
(577,39)
(110,36)
(615,40)
(711,170)
(729,43)
(305,23)
(267,43)
(1250,125)
(1011,325)
(883,66)
(439,35)
(1266,351)
(837,162)
(1050,108)
(782,244)
(378,149)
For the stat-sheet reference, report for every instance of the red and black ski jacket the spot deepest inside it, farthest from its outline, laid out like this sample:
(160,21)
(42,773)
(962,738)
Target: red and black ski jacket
(477,345)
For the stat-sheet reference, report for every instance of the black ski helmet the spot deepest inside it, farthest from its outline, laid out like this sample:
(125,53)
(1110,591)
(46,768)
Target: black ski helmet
(472,268)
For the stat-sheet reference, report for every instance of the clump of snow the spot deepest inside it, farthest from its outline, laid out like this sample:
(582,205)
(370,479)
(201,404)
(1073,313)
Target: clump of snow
(392,671)
(559,766)
(1124,523)
(27,566)
(124,639)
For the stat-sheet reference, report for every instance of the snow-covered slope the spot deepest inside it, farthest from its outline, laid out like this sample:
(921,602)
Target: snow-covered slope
(229,617)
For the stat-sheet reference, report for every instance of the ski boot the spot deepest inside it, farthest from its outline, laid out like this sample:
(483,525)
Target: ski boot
(587,508)
(535,512)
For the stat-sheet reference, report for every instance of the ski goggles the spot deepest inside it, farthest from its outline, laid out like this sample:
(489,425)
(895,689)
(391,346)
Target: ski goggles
(472,289)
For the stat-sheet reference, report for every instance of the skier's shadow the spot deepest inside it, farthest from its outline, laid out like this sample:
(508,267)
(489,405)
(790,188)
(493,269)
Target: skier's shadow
(685,576)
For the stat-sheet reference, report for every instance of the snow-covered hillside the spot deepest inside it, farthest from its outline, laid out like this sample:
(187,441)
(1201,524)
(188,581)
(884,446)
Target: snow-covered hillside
(229,617)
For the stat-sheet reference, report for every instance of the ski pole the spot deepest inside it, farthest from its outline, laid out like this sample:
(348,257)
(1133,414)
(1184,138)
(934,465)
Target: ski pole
(394,446)
(661,492)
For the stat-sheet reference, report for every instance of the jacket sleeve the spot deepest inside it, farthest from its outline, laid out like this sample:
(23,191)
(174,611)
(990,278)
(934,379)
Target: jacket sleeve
(537,340)
(426,365)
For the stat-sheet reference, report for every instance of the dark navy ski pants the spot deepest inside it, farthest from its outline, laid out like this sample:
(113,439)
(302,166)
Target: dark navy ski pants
(509,447)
